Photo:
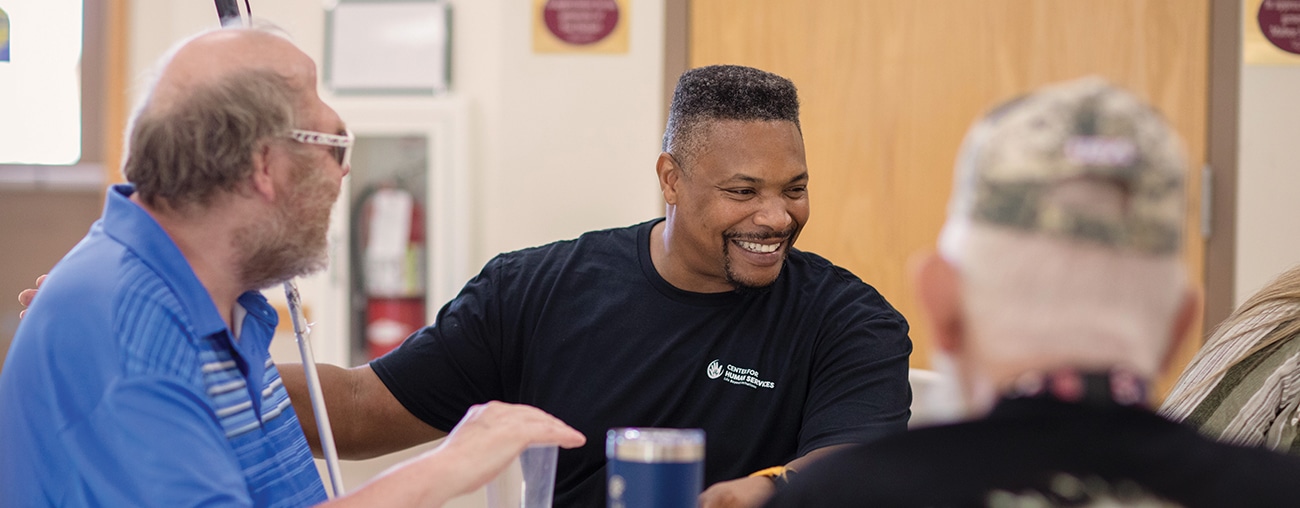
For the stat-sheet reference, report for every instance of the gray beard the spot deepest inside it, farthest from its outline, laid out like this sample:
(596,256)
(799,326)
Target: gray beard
(288,245)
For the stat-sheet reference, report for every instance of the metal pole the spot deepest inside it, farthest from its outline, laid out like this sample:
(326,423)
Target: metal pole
(300,331)
(227,11)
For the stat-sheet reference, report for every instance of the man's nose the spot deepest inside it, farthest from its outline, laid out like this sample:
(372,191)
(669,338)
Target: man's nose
(773,214)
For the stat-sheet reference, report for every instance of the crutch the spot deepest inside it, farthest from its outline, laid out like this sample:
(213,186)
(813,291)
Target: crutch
(300,331)
(228,13)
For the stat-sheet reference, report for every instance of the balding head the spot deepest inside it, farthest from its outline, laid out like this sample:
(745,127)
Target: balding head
(218,97)
(214,56)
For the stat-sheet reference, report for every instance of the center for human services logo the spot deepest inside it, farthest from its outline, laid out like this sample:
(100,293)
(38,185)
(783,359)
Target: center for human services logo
(714,370)
(737,375)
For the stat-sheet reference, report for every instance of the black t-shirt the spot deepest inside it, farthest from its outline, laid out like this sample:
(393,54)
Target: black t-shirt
(588,331)
(1064,454)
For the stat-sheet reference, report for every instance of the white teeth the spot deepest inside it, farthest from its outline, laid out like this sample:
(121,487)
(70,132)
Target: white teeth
(758,247)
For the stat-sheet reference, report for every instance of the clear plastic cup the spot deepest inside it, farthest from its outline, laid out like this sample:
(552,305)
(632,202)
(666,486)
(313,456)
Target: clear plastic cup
(528,482)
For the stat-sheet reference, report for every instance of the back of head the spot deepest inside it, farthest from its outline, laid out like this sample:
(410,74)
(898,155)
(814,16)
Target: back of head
(725,92)
(1065,226)
(218,96)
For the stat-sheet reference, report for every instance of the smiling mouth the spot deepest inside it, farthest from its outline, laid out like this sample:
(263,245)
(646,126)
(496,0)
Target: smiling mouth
(759,248)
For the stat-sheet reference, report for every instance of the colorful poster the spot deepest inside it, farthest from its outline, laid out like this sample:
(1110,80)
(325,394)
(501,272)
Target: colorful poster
(4,36)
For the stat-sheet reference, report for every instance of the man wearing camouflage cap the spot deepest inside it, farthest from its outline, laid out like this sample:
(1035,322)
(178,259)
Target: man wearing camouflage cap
(1056,295)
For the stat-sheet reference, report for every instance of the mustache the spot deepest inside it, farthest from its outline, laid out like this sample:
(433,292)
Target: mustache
(768,235)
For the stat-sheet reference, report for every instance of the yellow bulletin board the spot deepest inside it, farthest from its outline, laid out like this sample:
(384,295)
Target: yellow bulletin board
(1282,19)
(580,26)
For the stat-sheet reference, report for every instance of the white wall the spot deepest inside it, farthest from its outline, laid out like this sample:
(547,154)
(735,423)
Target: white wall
(561,143)
(1268,179)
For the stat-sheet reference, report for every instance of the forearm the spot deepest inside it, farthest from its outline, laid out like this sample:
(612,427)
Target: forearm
(753,491)
(366,419)
(415,482)
(814,456)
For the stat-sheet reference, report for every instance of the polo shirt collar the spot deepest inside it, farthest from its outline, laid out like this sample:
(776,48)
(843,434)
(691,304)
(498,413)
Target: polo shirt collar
(133,227)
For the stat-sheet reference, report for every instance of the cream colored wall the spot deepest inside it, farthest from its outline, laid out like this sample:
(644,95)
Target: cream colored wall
(1268,180)
(562,144)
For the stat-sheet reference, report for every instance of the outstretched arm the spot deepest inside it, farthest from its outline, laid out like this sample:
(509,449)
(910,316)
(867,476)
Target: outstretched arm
(753,491)
(482,444)
(367,420)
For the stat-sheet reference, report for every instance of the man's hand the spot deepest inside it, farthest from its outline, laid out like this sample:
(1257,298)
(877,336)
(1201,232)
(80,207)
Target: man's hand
(493,434)
(480,447)
(740,493)
(25,296)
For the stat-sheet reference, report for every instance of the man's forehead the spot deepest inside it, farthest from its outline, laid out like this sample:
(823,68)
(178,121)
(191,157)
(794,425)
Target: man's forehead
(215,55)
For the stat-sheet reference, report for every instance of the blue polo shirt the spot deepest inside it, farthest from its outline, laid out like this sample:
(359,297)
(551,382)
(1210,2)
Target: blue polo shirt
(124,387)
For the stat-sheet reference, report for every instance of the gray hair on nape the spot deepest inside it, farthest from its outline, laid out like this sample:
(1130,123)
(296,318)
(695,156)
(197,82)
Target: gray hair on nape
(183,155)
(1033,301)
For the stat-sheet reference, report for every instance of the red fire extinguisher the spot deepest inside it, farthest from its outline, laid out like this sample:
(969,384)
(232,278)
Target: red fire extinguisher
(393,275)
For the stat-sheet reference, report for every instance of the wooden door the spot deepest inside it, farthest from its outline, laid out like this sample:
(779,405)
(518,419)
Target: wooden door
(889,88)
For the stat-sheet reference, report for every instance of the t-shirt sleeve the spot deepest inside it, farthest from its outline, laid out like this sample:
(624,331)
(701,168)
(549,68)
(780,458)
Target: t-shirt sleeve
(858,389)
(446,367)
(154,442)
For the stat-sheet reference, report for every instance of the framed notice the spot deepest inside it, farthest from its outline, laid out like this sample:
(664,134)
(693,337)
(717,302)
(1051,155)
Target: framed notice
(1271,32)
(388,47)
(580,26)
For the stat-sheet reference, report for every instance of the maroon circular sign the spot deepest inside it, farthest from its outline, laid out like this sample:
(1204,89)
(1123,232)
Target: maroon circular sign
(581,21)
(1279,20)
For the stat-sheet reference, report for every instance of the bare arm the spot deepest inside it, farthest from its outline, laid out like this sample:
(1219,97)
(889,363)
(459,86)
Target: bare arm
(367,420)
(482,444)
(755,490)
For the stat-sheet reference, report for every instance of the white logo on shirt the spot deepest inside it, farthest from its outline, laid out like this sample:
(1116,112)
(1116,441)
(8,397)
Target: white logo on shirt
(714,370)
(737,375)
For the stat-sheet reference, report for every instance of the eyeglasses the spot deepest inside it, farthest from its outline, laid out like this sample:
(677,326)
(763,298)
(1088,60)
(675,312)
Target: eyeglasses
(340,145)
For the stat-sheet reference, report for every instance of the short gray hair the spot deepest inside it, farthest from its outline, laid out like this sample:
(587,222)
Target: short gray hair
(184,153)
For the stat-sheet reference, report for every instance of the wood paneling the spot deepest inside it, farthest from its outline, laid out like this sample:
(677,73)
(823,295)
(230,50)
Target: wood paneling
(115,93)
(889,88)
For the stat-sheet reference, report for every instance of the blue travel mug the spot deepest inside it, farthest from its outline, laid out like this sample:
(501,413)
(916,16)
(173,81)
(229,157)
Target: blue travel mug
(654,468)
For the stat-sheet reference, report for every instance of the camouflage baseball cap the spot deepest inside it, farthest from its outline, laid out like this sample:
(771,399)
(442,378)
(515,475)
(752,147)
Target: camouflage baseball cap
(1016,159)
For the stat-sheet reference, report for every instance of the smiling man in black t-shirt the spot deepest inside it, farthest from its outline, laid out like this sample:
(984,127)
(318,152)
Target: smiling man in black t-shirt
(707,318)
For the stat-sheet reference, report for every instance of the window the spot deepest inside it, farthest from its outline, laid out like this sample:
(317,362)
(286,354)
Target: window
(40,82)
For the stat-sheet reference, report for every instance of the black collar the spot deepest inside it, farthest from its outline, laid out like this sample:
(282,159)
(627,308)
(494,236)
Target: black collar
(1115,387)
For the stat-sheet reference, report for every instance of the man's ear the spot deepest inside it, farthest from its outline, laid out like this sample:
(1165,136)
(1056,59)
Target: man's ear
(1184,318)
(669,176)
(262,181)
(938,287)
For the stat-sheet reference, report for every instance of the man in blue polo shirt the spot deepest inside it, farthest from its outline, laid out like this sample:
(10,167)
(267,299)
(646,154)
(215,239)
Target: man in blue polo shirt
(141,377)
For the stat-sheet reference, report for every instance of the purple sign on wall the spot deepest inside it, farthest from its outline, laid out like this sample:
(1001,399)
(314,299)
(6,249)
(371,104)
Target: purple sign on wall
(1279,20)
(581,21)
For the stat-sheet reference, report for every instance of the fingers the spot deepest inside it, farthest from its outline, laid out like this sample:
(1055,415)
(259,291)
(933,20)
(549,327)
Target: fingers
(739,493)
(531,424)
(25,296)
(491,435)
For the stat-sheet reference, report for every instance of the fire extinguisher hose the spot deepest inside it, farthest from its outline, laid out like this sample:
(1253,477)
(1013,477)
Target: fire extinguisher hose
(300,331)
